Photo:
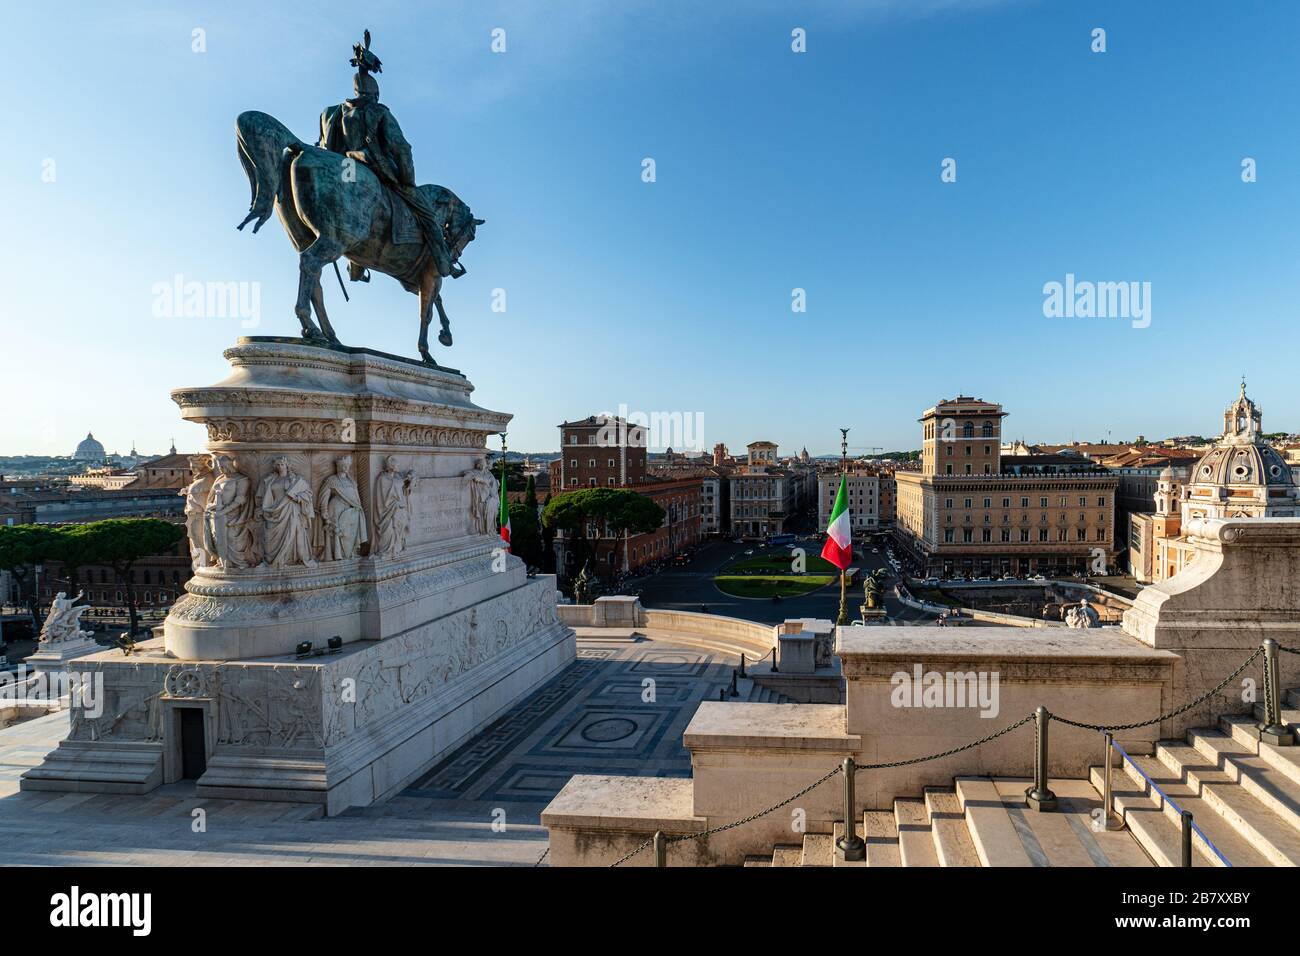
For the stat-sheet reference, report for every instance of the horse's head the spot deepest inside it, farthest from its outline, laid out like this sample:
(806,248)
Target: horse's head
(461,226)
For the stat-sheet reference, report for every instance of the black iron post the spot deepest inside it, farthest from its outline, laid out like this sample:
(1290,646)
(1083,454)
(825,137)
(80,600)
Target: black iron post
(1039,796)
(851,846)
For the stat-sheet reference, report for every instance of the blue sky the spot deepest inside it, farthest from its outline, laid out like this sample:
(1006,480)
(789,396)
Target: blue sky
(775,171)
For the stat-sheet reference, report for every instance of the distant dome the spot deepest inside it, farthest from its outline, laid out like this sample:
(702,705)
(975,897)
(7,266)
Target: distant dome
(89,449)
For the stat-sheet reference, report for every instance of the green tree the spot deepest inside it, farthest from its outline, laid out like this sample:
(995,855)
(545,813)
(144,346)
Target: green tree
(548,539)
(515,478)
(621,510)
(525,534)
(22,546)
(70,546)
(121,542)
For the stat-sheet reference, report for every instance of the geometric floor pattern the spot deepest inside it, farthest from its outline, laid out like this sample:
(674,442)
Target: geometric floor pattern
(620,709)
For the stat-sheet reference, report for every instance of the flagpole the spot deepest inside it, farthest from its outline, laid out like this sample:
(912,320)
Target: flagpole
(504,497)
(843,618)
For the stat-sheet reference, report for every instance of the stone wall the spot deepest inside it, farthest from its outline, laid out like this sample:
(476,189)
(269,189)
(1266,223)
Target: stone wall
(1241,586)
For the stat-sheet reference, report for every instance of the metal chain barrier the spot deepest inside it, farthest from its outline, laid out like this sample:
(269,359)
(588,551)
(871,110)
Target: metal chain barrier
(1173,713)
(736,823)
(948,753)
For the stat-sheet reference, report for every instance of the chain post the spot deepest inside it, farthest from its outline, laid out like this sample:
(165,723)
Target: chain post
(722,694)
(775,669)
(1039,796)
(661,848)
(733,692)
(1110,820)
(851,846)
(1187,838)
(1272,730)
(742,665)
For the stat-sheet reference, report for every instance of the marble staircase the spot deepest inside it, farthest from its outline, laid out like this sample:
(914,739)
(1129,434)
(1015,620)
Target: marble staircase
(981,821)
(1244,794)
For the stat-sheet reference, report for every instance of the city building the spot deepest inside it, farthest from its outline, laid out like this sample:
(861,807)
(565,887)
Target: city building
(862,485)
(971,511)
(599,451)
(764,498)
(715,500)
(602,451)
(1240,476)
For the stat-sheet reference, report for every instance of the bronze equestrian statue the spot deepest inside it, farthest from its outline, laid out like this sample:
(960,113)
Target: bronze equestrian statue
(354,195)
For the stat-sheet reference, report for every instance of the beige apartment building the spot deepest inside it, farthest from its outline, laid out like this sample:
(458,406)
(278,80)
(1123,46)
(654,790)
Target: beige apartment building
(973,511)
(862,486)
(763,498)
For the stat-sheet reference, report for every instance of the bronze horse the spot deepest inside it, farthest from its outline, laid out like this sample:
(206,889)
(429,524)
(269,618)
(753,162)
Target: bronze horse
(332,206)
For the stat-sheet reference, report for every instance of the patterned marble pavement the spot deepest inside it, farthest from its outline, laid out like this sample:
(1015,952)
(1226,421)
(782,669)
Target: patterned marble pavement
(621,708)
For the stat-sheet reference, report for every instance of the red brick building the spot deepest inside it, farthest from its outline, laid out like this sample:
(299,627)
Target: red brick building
(607,452)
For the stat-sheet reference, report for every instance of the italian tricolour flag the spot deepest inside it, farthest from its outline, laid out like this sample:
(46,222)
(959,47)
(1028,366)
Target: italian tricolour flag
(503,515)
(838,549)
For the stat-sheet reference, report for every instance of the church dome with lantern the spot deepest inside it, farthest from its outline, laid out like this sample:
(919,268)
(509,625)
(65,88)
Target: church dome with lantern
(89,449)
(1241,476)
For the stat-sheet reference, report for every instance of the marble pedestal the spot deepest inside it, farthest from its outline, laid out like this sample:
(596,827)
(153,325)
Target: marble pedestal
(440,630)
(52,657)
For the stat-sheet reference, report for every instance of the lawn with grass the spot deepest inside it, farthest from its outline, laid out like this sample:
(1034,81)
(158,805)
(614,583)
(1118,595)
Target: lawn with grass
(781,561)
(936,596)
(769,585)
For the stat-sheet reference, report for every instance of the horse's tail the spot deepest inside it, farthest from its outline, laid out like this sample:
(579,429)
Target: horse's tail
(262,141)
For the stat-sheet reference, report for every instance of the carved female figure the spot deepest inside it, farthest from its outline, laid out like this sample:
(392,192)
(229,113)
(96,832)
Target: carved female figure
(286,507)
(483,502)
(343,523)
(392,510)
(196,501)
(227,518)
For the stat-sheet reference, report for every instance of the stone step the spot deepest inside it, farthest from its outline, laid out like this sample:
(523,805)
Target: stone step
(758,861)
(749,691)
(880,836)
(788,855)
(915,841)
(1292,698)
(992,831)
(837,858)
(1157,837)
(1230,843)
(818,850)
(1007,832)
(1267,775)
(1290,716)
(1265,830)
(952,841)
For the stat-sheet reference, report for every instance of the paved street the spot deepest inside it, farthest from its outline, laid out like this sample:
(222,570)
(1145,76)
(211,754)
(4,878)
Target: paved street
(686,589)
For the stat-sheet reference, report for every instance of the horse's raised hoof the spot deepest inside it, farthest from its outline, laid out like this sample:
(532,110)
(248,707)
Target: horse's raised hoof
(445,337)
